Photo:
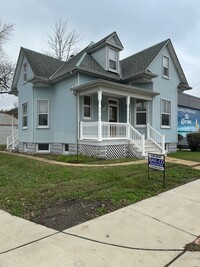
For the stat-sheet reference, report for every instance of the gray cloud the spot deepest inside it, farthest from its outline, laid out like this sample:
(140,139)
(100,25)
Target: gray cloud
(139,25)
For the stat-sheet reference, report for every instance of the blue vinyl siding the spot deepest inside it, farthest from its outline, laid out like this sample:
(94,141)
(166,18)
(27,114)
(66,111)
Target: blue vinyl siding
(100,57)
(25,93)
(168,91)
(65,112)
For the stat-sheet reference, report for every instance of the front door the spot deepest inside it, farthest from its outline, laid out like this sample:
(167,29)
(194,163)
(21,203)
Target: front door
(113,116)
(112,110)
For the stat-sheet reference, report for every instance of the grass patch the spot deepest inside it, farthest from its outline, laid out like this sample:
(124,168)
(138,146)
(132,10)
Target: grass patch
(2,147)
(186,155)
(28,185)
(81,159)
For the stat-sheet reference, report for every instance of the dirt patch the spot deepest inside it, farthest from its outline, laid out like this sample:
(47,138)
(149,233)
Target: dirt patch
(64,214)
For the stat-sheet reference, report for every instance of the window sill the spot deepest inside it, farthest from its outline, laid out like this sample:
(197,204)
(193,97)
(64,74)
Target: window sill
(24,128)
(141,126)
(166,77)
(165,127)
(43,127)
(112,70)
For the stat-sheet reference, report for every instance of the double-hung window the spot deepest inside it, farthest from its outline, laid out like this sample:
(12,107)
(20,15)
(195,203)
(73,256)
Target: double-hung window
(165,113)
(165,67)
(113,60)
(25,72)
(24,115)
(43,113)
(87,107)
(141,112)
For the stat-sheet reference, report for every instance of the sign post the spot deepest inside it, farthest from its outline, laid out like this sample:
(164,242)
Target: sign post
(157,162)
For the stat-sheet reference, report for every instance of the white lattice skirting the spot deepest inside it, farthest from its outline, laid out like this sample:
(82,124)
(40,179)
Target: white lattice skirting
(107,151)
(91,151)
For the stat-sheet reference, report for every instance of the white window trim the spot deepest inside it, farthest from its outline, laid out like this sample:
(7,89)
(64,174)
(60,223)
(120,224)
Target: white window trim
(170,114)
(42,151)
(25,72)
(113,105)
(42,126)
(164,76)
(24,127)
(135,115)
(87,118)
(108,60)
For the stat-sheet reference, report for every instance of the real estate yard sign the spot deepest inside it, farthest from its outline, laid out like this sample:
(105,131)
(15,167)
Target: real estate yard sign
(157,162)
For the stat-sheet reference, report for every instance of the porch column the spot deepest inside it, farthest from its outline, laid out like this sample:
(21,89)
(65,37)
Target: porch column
(128,116)
(99,116)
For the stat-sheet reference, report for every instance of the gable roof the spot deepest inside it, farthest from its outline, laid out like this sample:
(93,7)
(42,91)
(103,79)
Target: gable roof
(140,61)
(85,62)
(111,39)
(39,63)
(48,69)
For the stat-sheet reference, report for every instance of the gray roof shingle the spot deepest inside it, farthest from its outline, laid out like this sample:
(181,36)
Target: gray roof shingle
(140,61)
(42,65)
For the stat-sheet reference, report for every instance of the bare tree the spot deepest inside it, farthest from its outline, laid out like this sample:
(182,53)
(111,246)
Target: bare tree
(6,73)
(6,66)
(62,42)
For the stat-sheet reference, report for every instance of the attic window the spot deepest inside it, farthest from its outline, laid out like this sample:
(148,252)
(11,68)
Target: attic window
(25,72)
(113,60)
(165,67)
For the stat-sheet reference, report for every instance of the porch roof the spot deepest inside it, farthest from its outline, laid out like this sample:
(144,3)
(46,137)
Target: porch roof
(114,88)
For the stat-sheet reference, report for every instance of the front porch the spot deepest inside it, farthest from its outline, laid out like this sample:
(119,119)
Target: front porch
(117,134)
(107,112)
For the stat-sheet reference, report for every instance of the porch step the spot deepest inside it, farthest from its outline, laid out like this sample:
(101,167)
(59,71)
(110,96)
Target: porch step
(150,147)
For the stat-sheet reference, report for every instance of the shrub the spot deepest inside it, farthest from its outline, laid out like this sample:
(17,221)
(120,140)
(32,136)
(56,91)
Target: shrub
(194,141)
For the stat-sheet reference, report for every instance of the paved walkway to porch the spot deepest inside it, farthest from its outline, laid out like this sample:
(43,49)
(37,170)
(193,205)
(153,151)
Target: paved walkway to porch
(193,164)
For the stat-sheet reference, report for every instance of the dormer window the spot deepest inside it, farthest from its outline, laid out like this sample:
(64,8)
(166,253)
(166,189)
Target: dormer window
(25,72)
(165,67)
(113,60)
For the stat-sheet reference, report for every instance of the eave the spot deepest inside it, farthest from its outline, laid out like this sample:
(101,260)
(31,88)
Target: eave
(141,77)
(109,88)
(182,87)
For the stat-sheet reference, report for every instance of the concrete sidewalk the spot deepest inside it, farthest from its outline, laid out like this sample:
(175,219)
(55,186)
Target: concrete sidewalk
(149,233)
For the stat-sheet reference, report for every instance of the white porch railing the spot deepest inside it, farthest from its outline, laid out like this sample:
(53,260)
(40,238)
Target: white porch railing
(156,137)
(12,140)
(112,131)
(137,138)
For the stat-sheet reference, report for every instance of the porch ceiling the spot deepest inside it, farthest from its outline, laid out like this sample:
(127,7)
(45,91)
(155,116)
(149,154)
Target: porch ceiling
(113,88)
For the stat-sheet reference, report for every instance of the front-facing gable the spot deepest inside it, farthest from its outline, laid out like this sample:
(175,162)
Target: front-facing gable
(39,66)
(137,67)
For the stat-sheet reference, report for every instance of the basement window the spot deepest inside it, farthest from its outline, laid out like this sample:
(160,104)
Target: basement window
(44,148)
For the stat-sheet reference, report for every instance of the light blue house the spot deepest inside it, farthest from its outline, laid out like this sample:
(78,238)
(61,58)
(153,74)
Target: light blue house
(96,103)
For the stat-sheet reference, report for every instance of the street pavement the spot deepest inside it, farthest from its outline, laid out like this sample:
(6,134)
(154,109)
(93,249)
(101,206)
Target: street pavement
(150,233)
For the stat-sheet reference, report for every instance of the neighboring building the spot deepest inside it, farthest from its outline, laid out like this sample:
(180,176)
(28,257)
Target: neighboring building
(97,103)
(8,124)
(188,117)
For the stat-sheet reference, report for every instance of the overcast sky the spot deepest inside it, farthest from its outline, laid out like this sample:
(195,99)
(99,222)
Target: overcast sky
(138,23)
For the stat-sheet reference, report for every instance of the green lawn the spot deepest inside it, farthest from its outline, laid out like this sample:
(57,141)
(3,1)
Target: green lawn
(186,154)
(81,159)
(28,185)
